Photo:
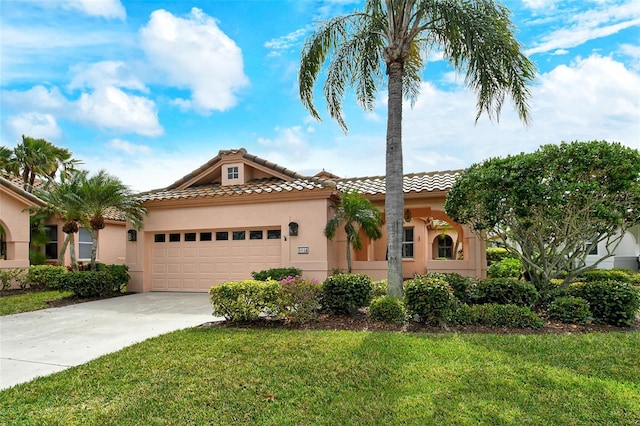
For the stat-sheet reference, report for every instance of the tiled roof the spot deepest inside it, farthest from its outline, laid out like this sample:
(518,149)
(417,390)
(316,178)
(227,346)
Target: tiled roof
(257,186)
(413,182)
(16,187)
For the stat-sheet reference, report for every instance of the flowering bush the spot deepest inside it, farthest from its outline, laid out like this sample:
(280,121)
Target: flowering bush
(299,298)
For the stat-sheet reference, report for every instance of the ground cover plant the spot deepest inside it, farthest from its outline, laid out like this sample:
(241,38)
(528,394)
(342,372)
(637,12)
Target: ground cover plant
(225,375)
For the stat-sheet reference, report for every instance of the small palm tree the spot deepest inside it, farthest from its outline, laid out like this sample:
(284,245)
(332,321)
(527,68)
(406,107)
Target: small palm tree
(63,200)
(355,213)
(389,41)
(103,194)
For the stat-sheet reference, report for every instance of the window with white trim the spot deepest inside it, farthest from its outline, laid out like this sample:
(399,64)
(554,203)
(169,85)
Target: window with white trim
(232,172)
(407,243)
(85,243)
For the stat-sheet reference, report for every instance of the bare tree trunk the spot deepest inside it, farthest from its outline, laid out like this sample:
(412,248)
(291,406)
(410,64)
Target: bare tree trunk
(63,250)
(394,198)
(348,255)
(72,251)
(94,248)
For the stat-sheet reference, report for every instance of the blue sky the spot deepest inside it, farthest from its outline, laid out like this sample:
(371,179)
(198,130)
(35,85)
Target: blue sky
(150,90)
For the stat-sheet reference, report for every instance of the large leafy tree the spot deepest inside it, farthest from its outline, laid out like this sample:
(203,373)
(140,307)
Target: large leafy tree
(392,39)
(103,194)
(551,206)
(355,213)
(37,158)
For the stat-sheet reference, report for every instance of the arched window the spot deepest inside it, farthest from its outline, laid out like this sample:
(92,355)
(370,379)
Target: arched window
(443,247)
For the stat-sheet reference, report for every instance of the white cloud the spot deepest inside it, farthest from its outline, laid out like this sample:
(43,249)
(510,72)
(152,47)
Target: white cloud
(579,28)
(291,140)
(103,8)
(277,45)
(129,147)
(111,108)
(195,54)
(34,124)
(37,98)
(105,73)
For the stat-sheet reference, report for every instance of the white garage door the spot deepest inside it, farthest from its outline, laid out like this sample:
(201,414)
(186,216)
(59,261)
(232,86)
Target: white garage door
(197,260)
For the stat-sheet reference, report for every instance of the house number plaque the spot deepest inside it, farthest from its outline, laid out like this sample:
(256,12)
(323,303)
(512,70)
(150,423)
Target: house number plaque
(303,250)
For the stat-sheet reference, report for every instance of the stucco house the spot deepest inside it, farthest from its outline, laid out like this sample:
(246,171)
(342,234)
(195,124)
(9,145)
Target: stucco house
(239,213)
(15,235)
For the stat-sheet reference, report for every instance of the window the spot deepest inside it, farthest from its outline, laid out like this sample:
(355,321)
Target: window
(592,249)
(445,247)
(174,238)
(189,236)
(255,235)
(205,236)
(407,243)
(85,242)
(232,173)
(51,248)
(273,234)
(222,236)
(239,235)
(159,238)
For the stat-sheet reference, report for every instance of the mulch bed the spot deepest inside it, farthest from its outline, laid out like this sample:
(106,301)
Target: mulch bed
(362,322)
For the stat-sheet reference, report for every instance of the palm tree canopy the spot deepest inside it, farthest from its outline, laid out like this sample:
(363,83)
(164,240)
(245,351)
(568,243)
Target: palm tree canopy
(355,213)
(103,193)
(476,37)
(63,198)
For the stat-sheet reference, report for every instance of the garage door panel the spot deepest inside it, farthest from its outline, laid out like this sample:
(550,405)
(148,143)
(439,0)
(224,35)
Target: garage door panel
(199,265)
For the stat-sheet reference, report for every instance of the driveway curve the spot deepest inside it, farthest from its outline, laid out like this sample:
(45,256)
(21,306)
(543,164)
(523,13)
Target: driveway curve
(40,343)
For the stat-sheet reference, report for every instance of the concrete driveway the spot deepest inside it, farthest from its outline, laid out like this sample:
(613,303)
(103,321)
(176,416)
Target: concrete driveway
(43,342)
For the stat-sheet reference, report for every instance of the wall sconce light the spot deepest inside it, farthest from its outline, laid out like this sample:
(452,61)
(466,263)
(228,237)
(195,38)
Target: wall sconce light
(407,215)
(293,229)
(132,235)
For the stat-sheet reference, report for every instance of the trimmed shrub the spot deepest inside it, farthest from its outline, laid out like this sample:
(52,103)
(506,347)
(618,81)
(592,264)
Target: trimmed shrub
(463,287)
(612,302)
(346,293)
(551,292)
(387,309)
(430,298)
(87,283)
(506,291)
(299,299)
(245,300)
(276,274)
(494,315)
(379,288)
(46,276)
(496,254)
(604,275)
(506,268)
(9,277)
(120,275)
(570,309)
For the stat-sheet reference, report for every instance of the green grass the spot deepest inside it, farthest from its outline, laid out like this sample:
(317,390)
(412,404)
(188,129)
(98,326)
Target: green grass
(16,303)
(276,377)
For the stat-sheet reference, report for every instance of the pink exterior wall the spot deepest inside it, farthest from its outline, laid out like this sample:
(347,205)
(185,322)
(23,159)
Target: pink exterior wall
(15,222)
(111,243)
(310,214)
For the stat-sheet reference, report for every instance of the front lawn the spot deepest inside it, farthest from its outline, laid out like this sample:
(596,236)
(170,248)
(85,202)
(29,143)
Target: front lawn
(226,376)
(30,301)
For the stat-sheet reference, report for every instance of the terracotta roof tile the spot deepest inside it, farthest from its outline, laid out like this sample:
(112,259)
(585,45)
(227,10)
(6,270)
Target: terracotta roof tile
(413,182)
(216,190)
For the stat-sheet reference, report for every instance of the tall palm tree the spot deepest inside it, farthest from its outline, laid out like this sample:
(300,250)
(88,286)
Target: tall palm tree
(394,37)
(37,158)
(63,199)
(103,194)
(355,213)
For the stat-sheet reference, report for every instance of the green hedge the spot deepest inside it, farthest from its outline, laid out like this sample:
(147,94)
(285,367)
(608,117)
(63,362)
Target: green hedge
(605,275)
(346,293)
(506,291)
(88,283)
(612,302)
(505,268)
(570,309)
(276,274)
(46,276)
(387,309)
(496,254)
(430,298)
(299,299)
(245,300)
(495,315)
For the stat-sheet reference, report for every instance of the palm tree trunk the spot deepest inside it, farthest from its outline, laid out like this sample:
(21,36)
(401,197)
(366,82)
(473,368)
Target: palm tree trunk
(72,252)
(94,249)
(348,255)
(63,250)
(394,199)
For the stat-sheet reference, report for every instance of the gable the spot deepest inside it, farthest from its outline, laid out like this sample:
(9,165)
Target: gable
(18,194)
